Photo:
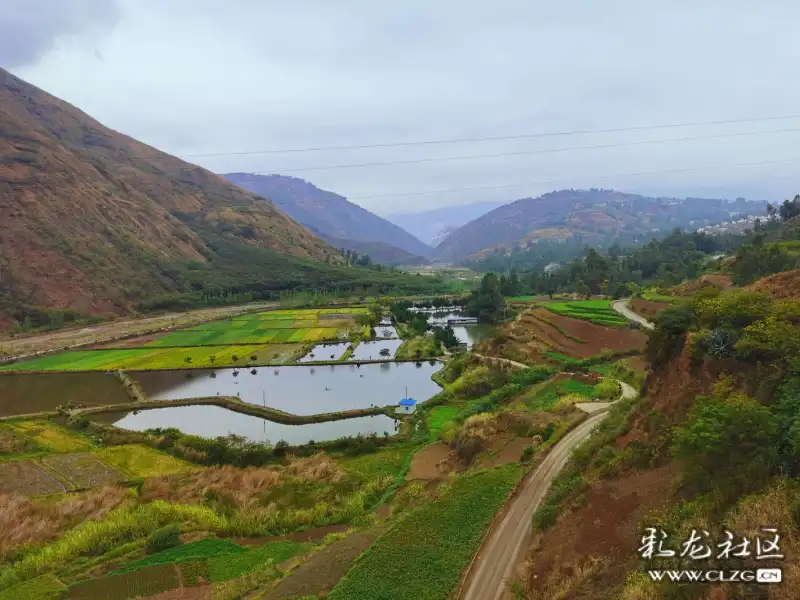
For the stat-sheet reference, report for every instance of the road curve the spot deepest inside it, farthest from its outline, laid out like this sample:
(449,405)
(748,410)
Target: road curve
(500,552)
(621,306)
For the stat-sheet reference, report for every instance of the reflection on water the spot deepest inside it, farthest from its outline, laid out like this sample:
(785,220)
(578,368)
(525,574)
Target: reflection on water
(468,334)
(325,352)
(213,421)
(29,393)
(372,350)
(303,390)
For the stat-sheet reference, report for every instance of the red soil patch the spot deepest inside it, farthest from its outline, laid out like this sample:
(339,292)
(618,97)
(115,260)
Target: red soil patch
(780,285)
(202,592)
(423,463)
(637,364)
(608,525)
(510,451)
(720,281)
(595,336)
(648,308)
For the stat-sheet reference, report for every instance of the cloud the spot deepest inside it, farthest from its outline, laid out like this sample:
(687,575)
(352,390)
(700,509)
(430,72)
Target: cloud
(29,29)
(204,76)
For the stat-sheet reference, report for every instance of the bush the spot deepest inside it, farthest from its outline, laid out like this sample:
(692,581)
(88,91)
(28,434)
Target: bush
(163,538)
(608,389)
(727,444)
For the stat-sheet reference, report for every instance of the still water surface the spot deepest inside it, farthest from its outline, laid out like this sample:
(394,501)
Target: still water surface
(212,421)
(298,390)
(28,393)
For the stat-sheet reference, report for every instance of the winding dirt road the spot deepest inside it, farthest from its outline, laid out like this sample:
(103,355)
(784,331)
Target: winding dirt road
(622,307)
(501,550)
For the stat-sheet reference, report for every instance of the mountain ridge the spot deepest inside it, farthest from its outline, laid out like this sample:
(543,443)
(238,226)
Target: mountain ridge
(94,220)
(583,215)
(328,213)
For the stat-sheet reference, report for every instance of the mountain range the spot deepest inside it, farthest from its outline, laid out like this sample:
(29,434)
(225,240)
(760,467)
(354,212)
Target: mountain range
(586,216)
(341,223)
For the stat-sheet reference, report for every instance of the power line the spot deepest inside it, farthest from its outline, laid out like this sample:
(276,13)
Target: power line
(528,152)
(492,138)
(572,179)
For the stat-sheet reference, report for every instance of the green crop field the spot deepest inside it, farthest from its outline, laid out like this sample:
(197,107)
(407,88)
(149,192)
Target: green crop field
(50,436)
(440,415)
(385,462)
(422,556)
(141,461)
(45,587)
(206,548)
(544,397)
(598,312)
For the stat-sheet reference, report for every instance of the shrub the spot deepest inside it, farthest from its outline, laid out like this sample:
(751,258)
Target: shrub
(163,538)
(727,443)
(607,389)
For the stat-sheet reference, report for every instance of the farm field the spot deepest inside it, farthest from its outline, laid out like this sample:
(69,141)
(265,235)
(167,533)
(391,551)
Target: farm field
(441,537)
(598,312)
(272,337)
(438,416)
(141,461)
(545,396)
(139,359)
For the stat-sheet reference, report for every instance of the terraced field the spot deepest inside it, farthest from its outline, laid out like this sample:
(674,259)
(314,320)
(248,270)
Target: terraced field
(598,312)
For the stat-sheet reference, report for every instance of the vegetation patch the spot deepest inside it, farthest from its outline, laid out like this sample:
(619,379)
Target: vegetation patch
(45,587)
(141,461)
(232,565)
(598,312)
(438,416)
(547,395)
(202,549)
(424,554)
(82,469)
(51,436)
(384,462)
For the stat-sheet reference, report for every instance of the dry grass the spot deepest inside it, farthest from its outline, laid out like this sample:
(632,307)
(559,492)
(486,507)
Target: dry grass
(242,486)
(482,426)
(26,521)
(773,508)
(640,587)
(320,468)
(560,587)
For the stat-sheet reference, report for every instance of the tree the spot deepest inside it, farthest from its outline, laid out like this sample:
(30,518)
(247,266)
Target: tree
(790,209)
(446,336)
(486,303)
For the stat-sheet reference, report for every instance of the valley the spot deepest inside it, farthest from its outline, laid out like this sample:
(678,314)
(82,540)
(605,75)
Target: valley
(247,387)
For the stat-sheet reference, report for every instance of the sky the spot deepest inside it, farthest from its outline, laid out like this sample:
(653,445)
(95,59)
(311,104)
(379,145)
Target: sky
(225,76)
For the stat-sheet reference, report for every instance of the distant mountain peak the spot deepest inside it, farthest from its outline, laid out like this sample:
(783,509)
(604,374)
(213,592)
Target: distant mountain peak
(332,215)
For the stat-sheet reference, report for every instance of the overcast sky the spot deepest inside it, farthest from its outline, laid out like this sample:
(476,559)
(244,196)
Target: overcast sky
(206,76)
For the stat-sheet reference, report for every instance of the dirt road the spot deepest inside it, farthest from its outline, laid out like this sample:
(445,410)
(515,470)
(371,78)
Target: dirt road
(622,307)
(502,549)
(508,361)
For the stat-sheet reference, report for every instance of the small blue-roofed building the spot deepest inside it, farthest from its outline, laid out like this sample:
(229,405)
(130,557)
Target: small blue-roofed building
(406,406)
